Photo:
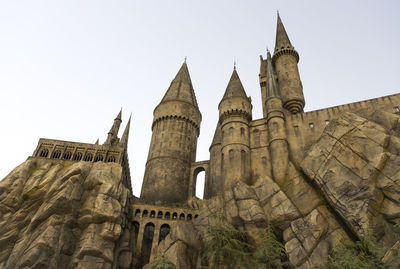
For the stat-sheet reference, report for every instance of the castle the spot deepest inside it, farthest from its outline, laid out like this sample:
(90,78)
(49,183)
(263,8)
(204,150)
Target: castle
(243,149)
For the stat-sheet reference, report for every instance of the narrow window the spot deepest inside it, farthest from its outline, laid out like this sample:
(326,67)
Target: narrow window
(111,159)
(164,231)
(275,124)
(77,156)
(152,214)
(147,244)
(311,125)
(98,158)
(137,213)
(231,131)
(67,155)
(174,216)
(56,154)
(231,154)
(167,215)
(88,157)
(181,216)
(159,215)
(296,130)
(242,131)
(145,213)
(44,152)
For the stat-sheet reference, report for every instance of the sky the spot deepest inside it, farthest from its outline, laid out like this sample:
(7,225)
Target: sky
(67,67)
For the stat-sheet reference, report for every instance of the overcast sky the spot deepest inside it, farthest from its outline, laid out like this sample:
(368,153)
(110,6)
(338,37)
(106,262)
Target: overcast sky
(67,67)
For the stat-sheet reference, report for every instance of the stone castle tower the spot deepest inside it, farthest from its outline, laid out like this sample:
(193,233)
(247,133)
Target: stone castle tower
(256,153)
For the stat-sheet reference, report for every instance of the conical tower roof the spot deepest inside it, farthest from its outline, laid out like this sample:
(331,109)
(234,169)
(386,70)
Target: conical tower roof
(235,87)
(217,135)
(282,39)
(181,88)
(125,135)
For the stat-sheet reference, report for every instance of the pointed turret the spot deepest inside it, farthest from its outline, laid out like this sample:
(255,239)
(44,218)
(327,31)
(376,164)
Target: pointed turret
(272,89)
(112,137)
(176,127)
(125,135)
(181,88)
(282,39)
(285,61)
(235,112)
(97,142)
(235,87)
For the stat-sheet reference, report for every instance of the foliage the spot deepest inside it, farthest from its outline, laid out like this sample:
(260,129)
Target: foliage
(360,254)
(228,247)
(270,253)
(162,262)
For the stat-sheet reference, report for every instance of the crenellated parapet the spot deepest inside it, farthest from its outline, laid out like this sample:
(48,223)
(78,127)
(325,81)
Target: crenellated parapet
(288,50)
(177,117)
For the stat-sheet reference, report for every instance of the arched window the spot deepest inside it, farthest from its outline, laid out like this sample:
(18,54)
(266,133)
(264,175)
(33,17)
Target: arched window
(230,130)
(77,156)
(189,216)
(98,158)
(88,157)
(147,244)
(231,154)
(56,154)
(174,216)
(198,182)
(145,213)
(242,131)
(164,231)
(111,159)
(67,155)
(152,214)
(195,216)
(44,152)
(182,216)
(137,213)
(167,215)
(159,215)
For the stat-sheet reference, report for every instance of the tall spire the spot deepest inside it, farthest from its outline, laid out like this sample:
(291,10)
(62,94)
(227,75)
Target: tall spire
(112,137)
(235,87)
(181,88)
(125,135)
(217,135)
(282,39)
(272,89)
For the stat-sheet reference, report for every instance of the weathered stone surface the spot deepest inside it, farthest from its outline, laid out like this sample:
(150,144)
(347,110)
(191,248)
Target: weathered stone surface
(59,215)
(355,171)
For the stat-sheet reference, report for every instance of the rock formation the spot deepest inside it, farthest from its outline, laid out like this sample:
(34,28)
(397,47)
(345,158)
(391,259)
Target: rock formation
(59,215)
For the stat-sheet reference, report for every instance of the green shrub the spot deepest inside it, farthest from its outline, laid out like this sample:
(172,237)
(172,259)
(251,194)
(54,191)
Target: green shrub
(162,262)
(359,254)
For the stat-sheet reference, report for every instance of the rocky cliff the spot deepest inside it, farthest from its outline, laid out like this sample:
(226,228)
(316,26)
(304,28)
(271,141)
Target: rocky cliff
(64,215)
(56,214)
